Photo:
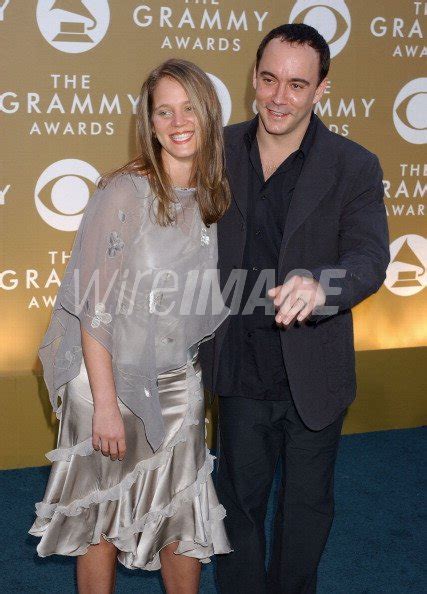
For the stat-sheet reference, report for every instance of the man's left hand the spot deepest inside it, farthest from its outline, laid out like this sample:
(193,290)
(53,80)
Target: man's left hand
(296,299)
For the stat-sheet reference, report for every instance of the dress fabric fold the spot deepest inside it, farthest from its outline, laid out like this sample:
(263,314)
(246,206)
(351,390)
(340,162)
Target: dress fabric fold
(144,502)
(162,492)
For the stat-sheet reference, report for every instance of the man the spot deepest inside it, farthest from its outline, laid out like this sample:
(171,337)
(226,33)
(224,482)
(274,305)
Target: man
(308,224)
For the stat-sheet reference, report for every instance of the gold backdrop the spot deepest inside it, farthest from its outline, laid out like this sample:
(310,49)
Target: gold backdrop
(71,73)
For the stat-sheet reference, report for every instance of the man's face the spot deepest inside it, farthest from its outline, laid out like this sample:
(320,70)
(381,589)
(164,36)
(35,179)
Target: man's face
(286,86)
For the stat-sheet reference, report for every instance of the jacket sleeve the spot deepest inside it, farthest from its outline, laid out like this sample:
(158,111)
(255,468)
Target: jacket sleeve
(363,244)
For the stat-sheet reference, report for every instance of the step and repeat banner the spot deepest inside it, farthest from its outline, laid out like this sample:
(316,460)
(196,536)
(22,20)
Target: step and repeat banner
(71,74)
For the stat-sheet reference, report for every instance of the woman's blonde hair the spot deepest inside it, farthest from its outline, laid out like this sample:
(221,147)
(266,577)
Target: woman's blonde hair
(208,172)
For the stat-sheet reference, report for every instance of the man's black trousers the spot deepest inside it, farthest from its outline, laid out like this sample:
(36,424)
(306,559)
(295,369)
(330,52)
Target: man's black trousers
(253,436)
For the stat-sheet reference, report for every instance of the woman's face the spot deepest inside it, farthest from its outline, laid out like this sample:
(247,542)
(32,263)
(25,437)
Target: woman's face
(174,121)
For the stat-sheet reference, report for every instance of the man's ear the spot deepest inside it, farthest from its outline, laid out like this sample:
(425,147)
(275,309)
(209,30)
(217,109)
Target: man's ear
(254,73)
(320,90)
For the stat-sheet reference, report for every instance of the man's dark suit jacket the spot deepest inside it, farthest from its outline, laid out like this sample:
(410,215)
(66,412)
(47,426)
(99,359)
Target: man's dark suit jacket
(336,221)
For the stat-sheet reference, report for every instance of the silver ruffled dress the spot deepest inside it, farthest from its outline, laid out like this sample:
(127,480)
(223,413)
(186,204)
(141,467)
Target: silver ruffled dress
(162,492)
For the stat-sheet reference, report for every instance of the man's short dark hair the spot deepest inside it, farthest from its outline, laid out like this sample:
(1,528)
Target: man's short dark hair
(303,35)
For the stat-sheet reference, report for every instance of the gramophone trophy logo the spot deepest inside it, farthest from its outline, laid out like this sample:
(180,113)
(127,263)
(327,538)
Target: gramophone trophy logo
(407,271)
(73,26)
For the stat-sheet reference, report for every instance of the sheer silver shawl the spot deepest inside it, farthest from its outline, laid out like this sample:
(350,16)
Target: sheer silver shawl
(147,293)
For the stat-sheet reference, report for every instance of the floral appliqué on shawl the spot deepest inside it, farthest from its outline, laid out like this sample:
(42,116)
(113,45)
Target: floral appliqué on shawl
(100,316)
(204,236)
(115,244)
(69,358)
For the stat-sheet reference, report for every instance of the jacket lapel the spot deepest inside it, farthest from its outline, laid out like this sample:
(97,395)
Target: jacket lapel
(238,174)
(316,179)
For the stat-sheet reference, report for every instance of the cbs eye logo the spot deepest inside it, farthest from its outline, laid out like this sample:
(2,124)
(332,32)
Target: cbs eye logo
(410,111)
(331,18)
(66,181)
(73,26)
(223,96)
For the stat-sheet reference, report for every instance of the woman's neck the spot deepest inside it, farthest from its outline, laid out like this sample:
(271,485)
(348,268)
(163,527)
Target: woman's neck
(179,171)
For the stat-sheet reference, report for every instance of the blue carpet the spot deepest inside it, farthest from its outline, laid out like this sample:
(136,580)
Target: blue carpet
(376,545)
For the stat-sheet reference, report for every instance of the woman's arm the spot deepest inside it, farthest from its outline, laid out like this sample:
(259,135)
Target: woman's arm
(107,424)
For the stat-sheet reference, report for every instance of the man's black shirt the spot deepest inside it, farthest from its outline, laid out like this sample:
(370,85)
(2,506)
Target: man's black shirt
(251,362)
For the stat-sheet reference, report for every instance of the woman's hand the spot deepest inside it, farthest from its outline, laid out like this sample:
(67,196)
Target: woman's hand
(108,431)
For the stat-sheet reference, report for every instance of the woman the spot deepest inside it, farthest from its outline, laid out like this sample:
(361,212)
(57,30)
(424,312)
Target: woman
(131,474)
